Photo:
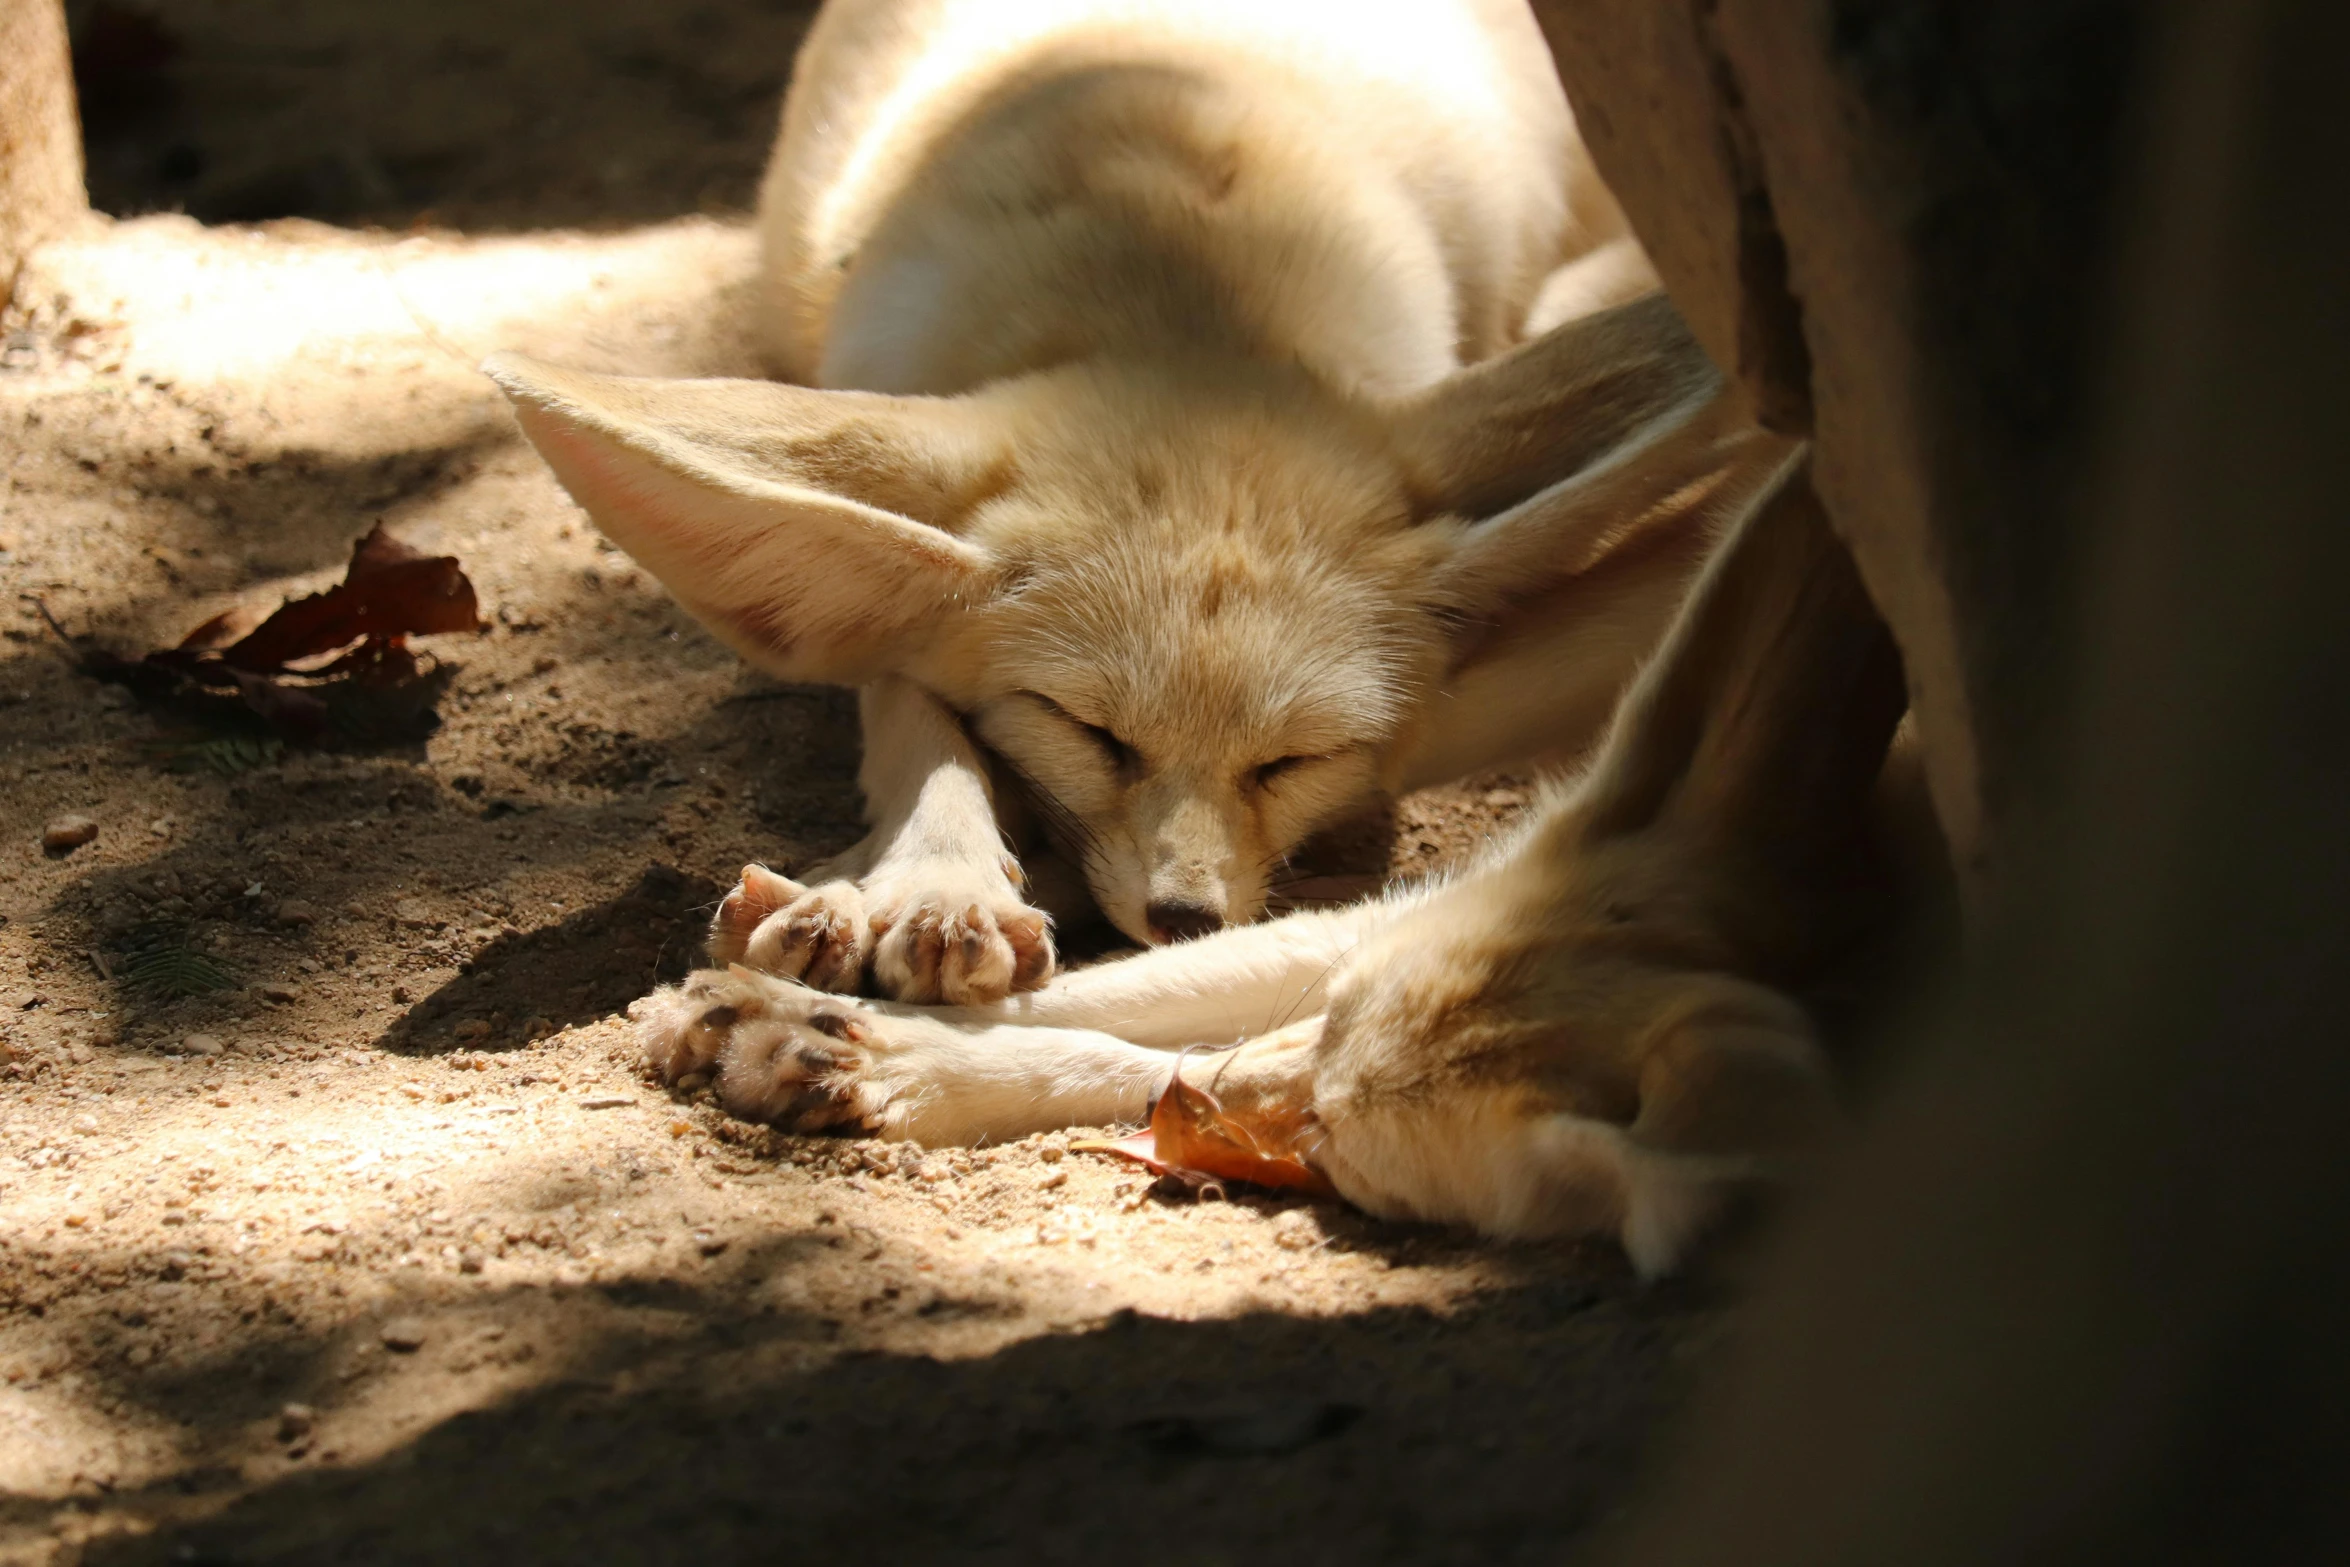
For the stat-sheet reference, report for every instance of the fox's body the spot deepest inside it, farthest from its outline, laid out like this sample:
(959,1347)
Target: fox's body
(1212,414)
(967,190)
(1153,485)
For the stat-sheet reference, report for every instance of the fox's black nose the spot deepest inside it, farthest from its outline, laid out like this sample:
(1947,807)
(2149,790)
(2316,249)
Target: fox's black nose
(1181,921)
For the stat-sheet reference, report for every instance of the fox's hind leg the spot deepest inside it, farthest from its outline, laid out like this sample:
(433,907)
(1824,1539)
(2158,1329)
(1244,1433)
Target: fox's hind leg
(809,1061)
(1242,981)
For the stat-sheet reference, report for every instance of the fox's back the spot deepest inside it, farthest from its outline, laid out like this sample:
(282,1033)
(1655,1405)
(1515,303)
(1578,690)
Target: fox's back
(970,188)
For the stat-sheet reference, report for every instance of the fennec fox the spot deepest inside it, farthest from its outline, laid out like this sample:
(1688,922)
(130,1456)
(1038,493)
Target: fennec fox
(1170,463)
(1593,1032)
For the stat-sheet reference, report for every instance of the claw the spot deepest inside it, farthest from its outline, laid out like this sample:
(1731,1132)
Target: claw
(763,891)
(759,893)
(840,1026)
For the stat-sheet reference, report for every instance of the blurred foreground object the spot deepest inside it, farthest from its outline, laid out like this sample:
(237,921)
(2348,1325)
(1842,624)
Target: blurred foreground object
(2057,288)
(40,135)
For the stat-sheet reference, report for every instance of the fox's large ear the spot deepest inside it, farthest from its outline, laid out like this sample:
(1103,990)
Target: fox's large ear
(1562,450)
(1764,715)
(815,532)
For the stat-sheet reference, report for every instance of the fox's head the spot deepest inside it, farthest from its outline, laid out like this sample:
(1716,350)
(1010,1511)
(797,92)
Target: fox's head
(1192,605)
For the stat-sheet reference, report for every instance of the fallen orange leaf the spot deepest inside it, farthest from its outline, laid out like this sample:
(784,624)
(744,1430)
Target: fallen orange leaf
(1193,1137)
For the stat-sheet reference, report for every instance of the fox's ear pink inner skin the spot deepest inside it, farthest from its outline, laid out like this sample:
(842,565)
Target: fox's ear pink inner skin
(714,487)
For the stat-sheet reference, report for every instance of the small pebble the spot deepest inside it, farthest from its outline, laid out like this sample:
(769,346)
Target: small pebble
(708,1244)
(295,1421)
(1052,1153)
(1296,1231)
(202,1045)
(472,1030)
(68,833)
(295,911)
(1057,1178)
(403,1334)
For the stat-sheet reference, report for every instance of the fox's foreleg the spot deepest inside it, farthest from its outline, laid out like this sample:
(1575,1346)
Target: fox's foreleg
(928,903)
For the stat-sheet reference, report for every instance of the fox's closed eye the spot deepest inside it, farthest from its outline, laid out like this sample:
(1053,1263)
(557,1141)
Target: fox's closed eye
(1121,755)
(1268,772)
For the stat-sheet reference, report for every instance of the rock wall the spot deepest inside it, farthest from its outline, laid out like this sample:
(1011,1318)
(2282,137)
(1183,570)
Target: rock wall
(1891,219)
(2073,1295)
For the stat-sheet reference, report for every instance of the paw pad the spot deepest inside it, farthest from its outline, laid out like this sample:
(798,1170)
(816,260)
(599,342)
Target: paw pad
(776,1053)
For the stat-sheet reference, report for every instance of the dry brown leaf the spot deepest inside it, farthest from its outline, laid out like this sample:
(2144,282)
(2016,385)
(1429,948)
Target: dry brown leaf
(391,591)
(1194,1138)
(355,634)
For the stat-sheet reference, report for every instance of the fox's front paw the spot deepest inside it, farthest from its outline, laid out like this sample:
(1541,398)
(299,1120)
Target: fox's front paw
(930,933)
(780,1052)
(818,935)
(954,934)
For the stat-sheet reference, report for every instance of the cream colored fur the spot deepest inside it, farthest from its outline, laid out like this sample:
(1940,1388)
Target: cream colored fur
(1171,465)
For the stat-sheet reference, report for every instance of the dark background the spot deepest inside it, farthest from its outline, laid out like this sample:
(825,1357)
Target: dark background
(471,114)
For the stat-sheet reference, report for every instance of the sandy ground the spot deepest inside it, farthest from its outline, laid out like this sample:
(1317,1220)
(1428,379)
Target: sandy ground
(387,1250)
